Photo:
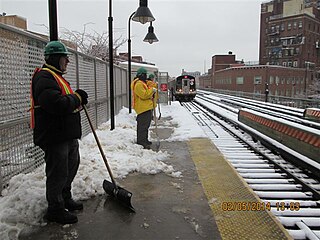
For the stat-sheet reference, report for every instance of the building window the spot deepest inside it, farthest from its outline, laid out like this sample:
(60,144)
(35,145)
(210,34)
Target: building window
(291,51)
(282,27)
(277,80)
(295,63)
(239,80)
(289,63)
(300,24)
(288,80)
(271,80)
(284,64)
(297,50)
(294,25)
(287,92)
(289,25)
(257,80)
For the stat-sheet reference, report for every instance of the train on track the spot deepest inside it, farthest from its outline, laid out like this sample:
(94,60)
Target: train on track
(302,139)
(184,88)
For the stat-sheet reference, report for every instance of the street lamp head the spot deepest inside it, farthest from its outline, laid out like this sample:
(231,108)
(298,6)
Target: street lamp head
(143,13)
(150,37)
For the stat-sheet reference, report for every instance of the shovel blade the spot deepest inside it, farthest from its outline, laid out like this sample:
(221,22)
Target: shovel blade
(120,194)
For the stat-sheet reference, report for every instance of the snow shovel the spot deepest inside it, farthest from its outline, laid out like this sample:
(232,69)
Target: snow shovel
(123,196)
(155,122)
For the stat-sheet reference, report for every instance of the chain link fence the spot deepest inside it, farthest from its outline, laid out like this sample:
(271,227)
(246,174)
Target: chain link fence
(20,53)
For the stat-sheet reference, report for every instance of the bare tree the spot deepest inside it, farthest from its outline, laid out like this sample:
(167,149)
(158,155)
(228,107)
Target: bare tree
(93,44)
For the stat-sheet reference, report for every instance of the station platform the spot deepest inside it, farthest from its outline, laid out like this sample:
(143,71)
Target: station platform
(168,208)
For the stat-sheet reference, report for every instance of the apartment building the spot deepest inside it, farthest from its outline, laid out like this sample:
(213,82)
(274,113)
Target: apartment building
(290,33)
(289,54)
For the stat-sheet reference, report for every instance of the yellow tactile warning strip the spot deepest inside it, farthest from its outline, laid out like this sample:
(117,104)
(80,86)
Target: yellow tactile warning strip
(225,189)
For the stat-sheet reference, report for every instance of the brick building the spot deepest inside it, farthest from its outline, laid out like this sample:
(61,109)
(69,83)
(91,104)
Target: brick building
(253,79)
(14,20)
(290,33)
(288,55)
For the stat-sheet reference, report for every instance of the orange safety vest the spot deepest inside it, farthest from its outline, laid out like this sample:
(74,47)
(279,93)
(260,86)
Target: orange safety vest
(64,86)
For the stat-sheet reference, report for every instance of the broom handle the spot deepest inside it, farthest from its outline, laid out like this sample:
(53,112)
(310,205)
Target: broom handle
(100,148)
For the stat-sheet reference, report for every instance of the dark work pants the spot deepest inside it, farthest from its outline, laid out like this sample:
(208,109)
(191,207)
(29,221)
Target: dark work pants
(143,124)
(62,163)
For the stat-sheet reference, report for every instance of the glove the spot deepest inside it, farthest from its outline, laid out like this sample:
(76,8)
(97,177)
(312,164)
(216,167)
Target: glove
(83,95)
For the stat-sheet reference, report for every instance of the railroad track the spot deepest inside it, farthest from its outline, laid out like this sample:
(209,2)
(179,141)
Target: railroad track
(288,113)
(288,191)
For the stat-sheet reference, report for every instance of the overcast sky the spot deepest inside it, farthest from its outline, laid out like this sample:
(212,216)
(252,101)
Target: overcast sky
(189,32)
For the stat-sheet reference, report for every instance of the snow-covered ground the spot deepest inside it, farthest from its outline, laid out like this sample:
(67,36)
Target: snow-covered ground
(23,203)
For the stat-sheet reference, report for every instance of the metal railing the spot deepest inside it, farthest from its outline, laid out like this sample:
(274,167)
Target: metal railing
(20,53)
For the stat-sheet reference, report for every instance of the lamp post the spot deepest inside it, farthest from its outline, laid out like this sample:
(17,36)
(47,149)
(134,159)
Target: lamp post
(110,19)
(129,61)
(150,38)
(142,15)
(53,22)
(266,92)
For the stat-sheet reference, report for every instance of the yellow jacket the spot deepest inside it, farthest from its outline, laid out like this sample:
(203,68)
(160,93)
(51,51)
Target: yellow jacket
(142,96)
(153,84)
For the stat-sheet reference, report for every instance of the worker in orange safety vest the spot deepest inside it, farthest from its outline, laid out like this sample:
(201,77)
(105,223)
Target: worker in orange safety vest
(56,124)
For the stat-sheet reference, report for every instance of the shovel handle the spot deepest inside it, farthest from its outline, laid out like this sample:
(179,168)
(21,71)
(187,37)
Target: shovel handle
(158,101)
(154,115)
(100,148)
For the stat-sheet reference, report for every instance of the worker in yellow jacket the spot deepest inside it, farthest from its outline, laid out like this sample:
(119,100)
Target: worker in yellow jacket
(151,83)
(143,104)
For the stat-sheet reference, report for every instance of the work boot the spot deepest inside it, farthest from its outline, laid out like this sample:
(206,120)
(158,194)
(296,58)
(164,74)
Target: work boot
(72,205)
(146,147)
(61,216)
